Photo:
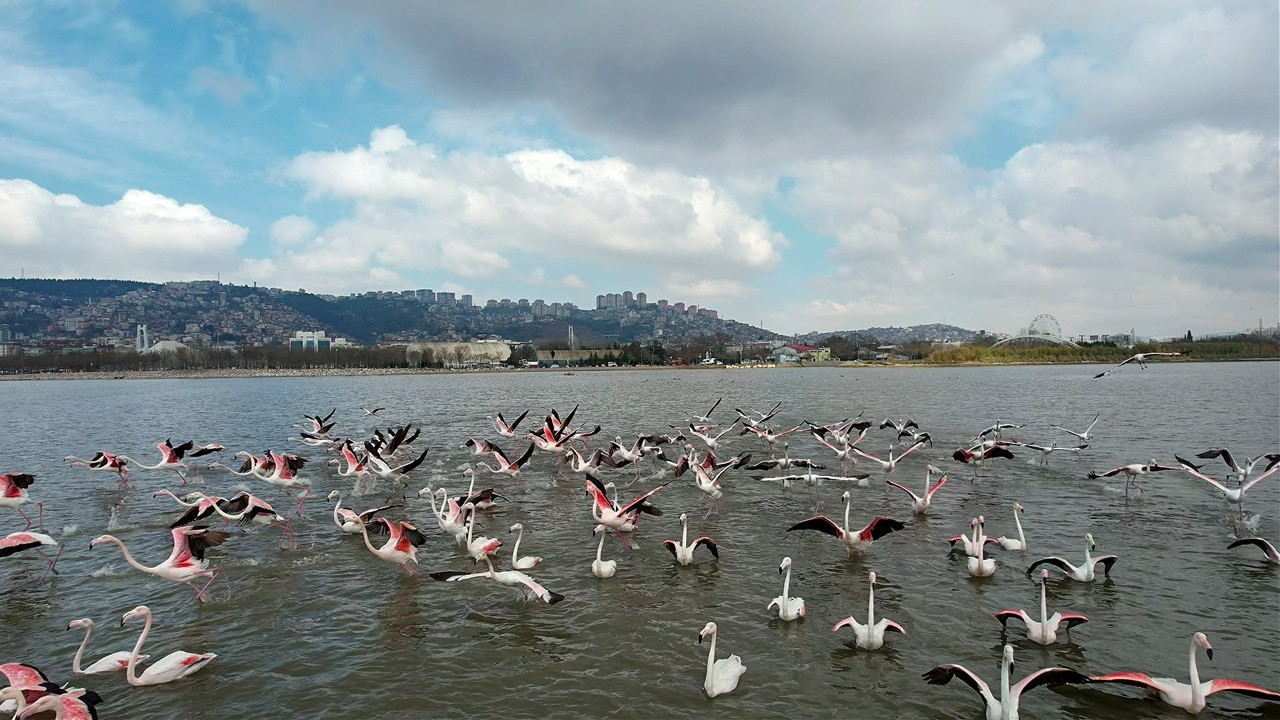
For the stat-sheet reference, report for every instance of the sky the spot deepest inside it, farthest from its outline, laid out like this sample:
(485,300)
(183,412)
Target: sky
(805,166)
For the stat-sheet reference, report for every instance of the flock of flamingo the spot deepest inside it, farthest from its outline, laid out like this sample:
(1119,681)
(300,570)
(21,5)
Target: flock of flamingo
(393,454)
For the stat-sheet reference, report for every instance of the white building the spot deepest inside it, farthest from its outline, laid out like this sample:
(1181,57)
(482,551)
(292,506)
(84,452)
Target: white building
(316,340)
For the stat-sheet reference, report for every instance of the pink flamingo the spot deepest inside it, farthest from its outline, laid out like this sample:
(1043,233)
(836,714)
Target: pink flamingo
(177,664)
(185,563)
(19,541)
(1045,630)
(859,540)
(402,544)
(171,456)
(104,462)
(245,508)
(13,492)
(70,705)
(505,429)
(27,684)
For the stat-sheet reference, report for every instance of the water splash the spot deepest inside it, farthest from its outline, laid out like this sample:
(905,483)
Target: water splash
(104,571)
(113,519)
(69,530)
(1251,522)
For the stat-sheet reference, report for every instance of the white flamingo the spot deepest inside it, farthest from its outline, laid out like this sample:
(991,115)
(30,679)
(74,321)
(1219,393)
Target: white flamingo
(527,562)
(683,551)
(789,608)
(114,662)
(1086,571)
(1045,630)
(1010,543)
(980,565)
(1004,707)
(920,503)
(177,664)
(870,636)
(602,569)
(722,675)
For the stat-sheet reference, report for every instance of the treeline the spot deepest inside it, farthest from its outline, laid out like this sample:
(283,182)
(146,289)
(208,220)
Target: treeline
(1239,348)
(254,358)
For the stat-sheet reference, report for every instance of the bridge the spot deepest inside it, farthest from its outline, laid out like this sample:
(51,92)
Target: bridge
(1044,328)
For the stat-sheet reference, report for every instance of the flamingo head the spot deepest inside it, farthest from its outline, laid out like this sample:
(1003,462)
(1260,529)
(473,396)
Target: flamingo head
(982,520)
(82,622)
(195,495)
(872,576)
(1008,655)
(244,453)
(337,495)
(1088,537)
(1200,639)
(1017,507)
(598,529)
(973,523)
(846,496)
(99,540)
(786,563)
(610,484)
(1044,576)
(10,693)
(684,517)
(140,611)
(517,527)
(468,471)
(47,703)
(708,629)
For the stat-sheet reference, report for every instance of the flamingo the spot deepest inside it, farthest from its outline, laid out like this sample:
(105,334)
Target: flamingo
(920,503)
(505,429)
(1273,459)
(185,563)
(13,493)
(349,521)
(171,457)
(283,474)
(104,462)
(528,562)
(176,665)
(17,542)
(201,508)
(755,417)
(505,466)
(785,462)
(114,662)
(1045,630)
(712,441)
(900,425)
(401,546)
(70,705)
(371,411)
(977,455)
(1233,495)
(707,417)
(683,551)
(450,517)
(870,636)
(1191,697)
(1010,543)
(789,608)
(891,463)
(1267,548)
(621,519)
(483,500)
(998,428)
(974,540)
(1006,706)
(478,547)
(768,435)
(1084,436)
(840,444)
(26,684)
(1046,450)
(722,675)
(1133,471)
(526,585)
(245,509)
(859,540)
(1140,358)
(601,568)
(1085,572)
(979,565)
(321,425)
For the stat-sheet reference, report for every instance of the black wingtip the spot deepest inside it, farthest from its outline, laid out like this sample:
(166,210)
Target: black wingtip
(554,597)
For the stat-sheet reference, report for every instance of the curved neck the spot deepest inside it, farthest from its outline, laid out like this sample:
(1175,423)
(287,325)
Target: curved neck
(75,662)
(176,499)
(127,557)
(1197,695)
(515,551)
(1088,557)
(711,657)
(434,512)
(364,532)
(131,670)
(337,519)
(600,547)
(1017,520)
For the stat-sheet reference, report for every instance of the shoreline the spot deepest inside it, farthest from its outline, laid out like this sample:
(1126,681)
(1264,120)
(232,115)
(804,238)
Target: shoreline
(230,373)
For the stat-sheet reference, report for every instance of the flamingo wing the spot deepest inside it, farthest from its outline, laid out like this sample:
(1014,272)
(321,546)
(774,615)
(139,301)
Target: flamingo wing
(1071,620)
(710,545)
(22,676)
(941,481)
(1128,678)
(367,515)
(942,674)
(638,502)
(1223,453)
(1048,677)
(524,458)
(879,527)
(1057,562)
(1235,686)
(199,539)
(1004,616)
(821,523)
(596,488)
(543,594)
(904,489)
(1107,561)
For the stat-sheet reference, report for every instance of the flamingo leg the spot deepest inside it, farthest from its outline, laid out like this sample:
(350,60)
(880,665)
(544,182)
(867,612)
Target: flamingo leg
(52,562)
(24,517)
(201,592)
(180,475)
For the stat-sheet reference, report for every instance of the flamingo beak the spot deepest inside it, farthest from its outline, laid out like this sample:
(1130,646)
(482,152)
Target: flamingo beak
(699,638)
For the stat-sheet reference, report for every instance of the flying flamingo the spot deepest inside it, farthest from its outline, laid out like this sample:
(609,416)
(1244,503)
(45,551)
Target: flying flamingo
(114,662)
(722,675)
(891,463)
(1273,459)
(859,540)
(171,456)
(755,418)
(1191,697)
(1045,630)
(1010,543)
(786,462)
(621,519)
(600,567)
(789,608)
(506,466)
(69,705)
(13,493)
(1267,548)
(401,546)
(17,542)
(1140,358)
(977,455)
(870,636)
(1233,495)
(1046,450)
(920,503)
(768,435)
(505,429)
(1084,436)
(284,475)
(176,665)
(104,462)
(711,440)
(1006,706)
(683,551)
(1133,471)
(524,584)
(348,521)
(245,509)
(185,563)
(1086,571)
(321,425)
(707,417)
(527,562)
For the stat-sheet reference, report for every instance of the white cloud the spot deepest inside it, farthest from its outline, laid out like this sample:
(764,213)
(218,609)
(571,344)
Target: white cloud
(292,230)
(142,236)
(573,281)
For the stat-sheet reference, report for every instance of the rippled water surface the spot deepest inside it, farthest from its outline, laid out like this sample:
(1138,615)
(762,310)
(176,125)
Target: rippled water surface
(329,630)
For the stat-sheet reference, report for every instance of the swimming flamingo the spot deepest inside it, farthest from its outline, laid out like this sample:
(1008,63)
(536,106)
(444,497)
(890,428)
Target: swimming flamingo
(1010,543)
(69,705)
(526,585)
(920,503)
(979,565)
(870,636)
(185,563)
(683,550)
(1267,548)
(478,547)
(401,546)
(348,521)
(722,675)
(17,542)
(114,662)
(1086,571)
(1140,358)
(971,542)
(1191,697)
(176,665)
(527,562)
(13,492)
(601,568)
(1006,706)
(104,462)
(1044,630)
(789,608)
(859,540)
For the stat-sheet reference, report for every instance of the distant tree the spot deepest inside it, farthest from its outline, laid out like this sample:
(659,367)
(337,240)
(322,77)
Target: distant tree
(1188,338)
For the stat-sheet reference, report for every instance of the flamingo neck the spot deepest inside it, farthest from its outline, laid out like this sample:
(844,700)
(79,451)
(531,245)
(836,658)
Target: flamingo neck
(337,519)
(600,548)
(131,670)
(75,662)
(786,588)
(1017,520)
(847,505)
(871,606)
(515,551)
(1197,696)
(1005,667)
(711,659)
(128,557)
(684,533)
(364,533)
(1044,603)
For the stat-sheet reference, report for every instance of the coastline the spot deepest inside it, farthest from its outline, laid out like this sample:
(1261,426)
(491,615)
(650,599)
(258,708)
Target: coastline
(224,373)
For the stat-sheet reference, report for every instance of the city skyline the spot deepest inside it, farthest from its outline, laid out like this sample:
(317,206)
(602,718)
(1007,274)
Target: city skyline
(802,169)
